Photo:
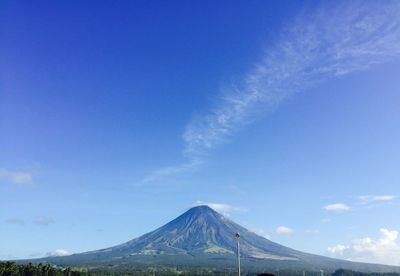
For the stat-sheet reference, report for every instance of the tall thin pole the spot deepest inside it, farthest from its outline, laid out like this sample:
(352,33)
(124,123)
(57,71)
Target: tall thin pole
(238,252)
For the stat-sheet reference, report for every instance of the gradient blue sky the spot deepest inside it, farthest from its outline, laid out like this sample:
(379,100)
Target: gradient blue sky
(115,117)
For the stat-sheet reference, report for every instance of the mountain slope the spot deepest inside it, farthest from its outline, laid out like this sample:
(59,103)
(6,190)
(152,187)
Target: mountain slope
(203,237)
(201,230)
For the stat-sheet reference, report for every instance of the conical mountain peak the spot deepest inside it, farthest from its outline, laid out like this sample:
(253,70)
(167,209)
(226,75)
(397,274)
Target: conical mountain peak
(202,231)
(201,209)
(202,235)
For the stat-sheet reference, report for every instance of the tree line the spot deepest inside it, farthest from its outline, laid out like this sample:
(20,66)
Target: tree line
(14,269)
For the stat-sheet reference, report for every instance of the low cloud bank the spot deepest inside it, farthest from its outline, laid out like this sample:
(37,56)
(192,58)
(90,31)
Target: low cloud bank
(384,250)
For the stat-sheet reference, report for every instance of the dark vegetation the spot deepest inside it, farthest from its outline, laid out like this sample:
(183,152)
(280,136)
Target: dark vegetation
(13,269)
(345,272)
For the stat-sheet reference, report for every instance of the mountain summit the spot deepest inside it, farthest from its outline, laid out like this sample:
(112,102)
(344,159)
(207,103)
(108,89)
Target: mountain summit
(201,237)
(199,231)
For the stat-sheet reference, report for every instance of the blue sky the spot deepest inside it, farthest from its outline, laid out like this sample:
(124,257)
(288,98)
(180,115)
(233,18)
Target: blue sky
(117,117)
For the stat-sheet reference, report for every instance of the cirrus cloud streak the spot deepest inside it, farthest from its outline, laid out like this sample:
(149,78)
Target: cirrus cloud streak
(321,44)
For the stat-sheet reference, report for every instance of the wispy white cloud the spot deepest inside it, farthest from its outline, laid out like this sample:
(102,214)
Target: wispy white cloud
(325,43)
(43,221)
(385,249)
(337,250)
(326,220)
(367,201)
(337,207)
(284,230)
(376,198)
(16,177)
(57,253)
(329,42)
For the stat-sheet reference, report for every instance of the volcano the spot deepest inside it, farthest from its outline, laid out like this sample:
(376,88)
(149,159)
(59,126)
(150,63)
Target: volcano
(201,237)
(201,231)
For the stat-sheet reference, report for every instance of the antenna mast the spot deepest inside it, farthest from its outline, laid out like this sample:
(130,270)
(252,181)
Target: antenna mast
(238,251)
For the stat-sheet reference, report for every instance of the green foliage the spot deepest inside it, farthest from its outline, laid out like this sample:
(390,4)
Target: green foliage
(345,272)
(13,269)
